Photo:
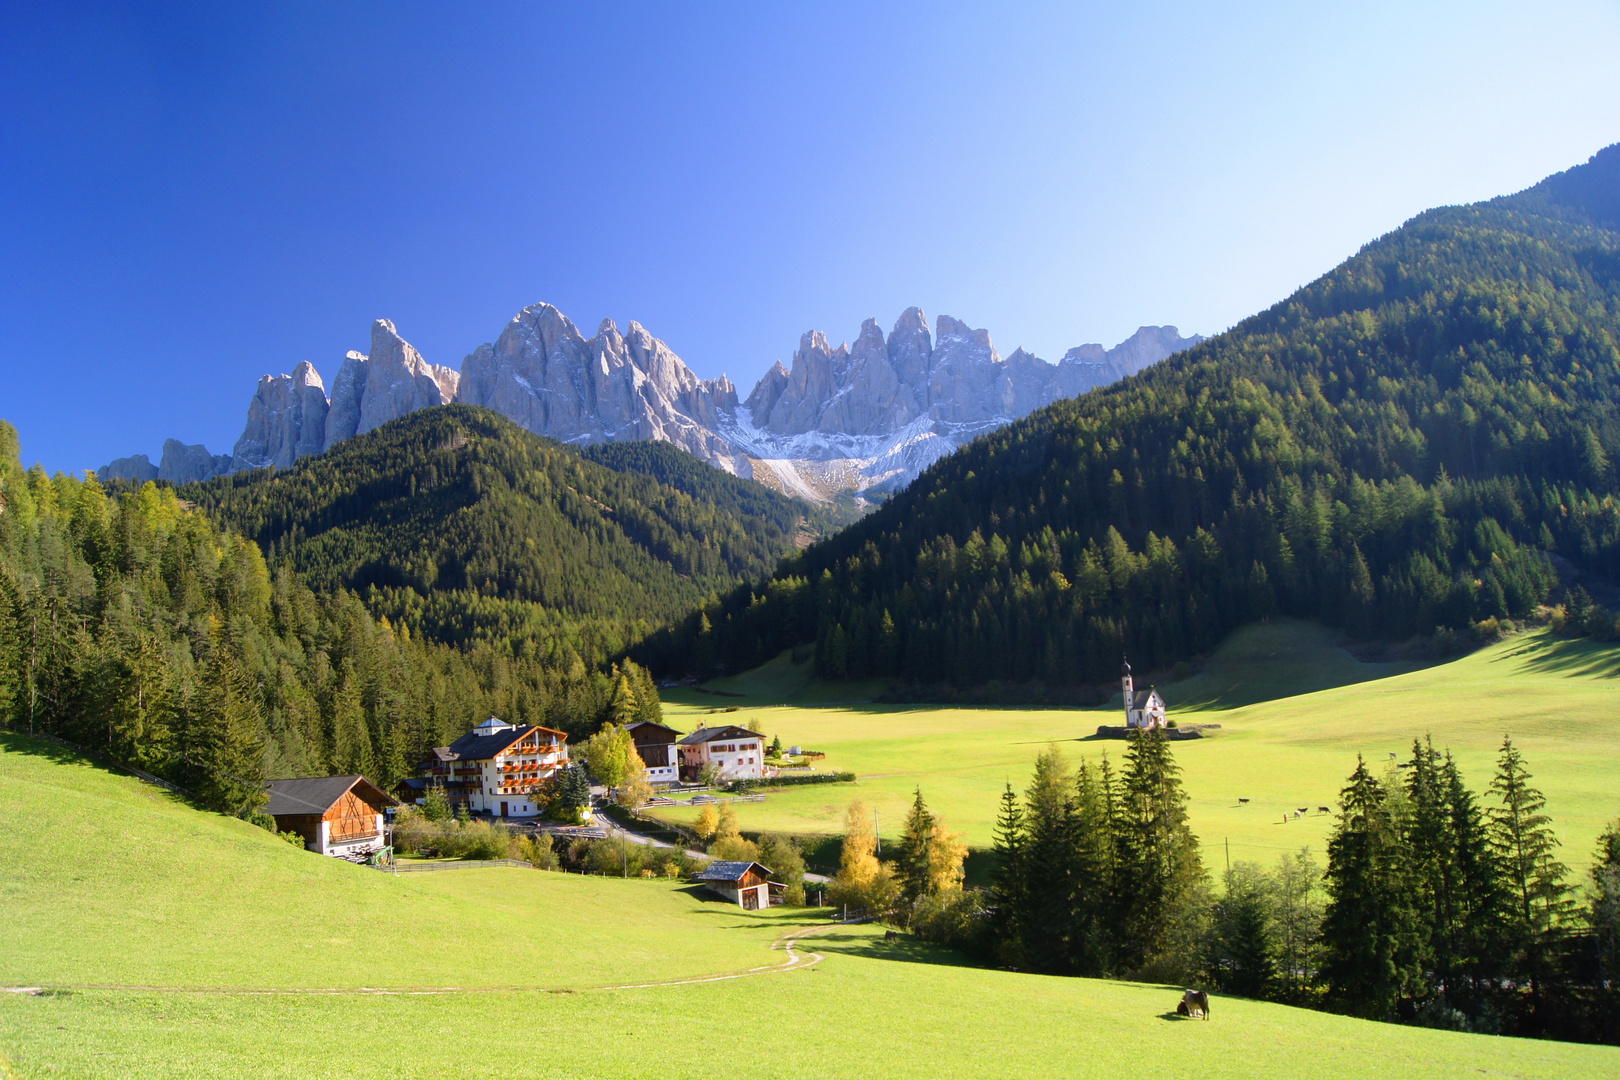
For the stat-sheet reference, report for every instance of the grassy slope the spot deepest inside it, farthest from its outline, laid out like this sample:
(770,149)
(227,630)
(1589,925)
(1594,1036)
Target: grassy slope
(108,880)
(1556,697)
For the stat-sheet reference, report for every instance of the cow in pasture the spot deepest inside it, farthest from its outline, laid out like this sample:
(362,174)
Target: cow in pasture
(891,936)
(1194,1005)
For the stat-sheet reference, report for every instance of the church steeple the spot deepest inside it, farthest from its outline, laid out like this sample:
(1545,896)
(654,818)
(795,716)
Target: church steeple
(1129,689)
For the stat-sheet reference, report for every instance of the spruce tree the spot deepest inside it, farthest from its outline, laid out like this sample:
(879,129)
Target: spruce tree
(1477,929)
(1431,852)
(1525,848)
(1603,914)
(1370,933)
(229,746)
(1160,874)
(912,861)
(1010,882)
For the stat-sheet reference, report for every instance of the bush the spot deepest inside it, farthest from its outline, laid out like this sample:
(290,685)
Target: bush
(538,851)
(954,917)
(453,839)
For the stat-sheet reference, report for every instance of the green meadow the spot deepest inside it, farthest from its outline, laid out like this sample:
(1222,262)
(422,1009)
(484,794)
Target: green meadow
(1294,709)
(172,942)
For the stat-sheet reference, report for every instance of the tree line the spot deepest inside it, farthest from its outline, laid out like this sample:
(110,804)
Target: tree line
(1403,445)
(1437,906)
(139,628)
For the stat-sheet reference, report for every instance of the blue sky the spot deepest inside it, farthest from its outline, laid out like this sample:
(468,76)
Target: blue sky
(192,195)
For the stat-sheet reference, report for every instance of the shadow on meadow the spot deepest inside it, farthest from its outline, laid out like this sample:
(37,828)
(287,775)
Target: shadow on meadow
(903,949)
(1567,656)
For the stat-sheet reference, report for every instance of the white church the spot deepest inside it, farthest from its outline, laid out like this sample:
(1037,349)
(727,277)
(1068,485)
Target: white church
(1143,708)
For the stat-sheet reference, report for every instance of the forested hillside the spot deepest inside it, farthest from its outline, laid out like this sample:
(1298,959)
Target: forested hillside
(138,628)
(460,525)
(1396,447)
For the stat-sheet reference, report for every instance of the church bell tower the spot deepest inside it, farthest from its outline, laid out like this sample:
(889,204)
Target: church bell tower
(1129,689)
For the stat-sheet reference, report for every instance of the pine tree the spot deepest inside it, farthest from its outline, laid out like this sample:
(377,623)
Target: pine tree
(1160,873)
(1603,915)
(912,858)
(1370,933)
(229,746)
(1524,844)
(1478,925)
(1010,882)
(1431,851)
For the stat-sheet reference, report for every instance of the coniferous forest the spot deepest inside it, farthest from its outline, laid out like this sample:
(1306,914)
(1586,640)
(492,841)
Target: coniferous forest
(1408,443)
(1438,905)
(145,629)
(463,526)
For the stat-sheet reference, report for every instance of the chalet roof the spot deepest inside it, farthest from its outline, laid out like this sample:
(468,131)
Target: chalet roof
(318,794)
(644,725)
(475,747)
(730,871)
(713,734)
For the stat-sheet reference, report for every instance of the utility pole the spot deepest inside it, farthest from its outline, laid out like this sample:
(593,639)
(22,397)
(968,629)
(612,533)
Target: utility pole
(877,831)
(1228,856)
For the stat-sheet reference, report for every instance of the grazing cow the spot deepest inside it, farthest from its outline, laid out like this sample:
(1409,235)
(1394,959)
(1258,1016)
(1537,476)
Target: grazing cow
(1194,1004)
(1243,800)
(891,936)
(1324,809)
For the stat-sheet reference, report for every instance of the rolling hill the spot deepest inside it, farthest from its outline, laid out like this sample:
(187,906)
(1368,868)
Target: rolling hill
(154,940)
(1403,445)
(457,522)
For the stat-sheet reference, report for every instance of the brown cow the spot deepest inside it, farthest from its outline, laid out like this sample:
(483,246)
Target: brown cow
(1194,1003)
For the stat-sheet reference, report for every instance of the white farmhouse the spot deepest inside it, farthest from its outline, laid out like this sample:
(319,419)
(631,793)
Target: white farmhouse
(738,754)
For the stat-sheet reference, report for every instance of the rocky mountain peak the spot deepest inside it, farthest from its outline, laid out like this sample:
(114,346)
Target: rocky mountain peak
(286,420)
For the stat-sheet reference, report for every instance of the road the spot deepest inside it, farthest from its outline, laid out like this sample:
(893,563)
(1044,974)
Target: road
(615,829)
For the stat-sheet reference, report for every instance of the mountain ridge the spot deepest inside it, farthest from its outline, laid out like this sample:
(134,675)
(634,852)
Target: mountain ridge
(839,419)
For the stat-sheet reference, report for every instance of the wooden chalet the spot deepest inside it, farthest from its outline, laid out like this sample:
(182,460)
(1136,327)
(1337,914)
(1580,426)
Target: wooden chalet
(495,768)
(336,815)
(746,884)
(655,743)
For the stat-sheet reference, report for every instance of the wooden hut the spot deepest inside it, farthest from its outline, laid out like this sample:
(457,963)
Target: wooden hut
(336,815)
(746,884)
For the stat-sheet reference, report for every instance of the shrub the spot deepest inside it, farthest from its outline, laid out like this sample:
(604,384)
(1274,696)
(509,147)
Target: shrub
(538,851)
(954,917)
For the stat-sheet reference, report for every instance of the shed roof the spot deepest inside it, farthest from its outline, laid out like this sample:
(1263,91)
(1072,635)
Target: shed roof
(712,734)
(318,794)
(730,871)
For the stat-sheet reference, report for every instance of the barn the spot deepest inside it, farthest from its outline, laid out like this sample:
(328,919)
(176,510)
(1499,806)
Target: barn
(746,884)
(336,815)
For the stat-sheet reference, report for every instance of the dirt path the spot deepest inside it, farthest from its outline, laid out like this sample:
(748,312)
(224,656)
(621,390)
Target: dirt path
(795,961)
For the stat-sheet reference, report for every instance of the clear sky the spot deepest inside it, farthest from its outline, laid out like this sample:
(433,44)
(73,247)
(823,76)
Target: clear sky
(192,195)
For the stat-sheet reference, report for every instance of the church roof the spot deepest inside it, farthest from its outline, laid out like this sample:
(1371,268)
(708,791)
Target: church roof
(1139,700)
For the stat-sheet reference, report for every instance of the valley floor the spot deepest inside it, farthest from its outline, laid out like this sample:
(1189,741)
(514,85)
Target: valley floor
(1294,711)
(170,942)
